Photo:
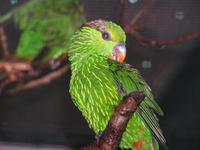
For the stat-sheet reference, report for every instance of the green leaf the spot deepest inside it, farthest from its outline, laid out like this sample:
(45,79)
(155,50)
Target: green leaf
(30,45)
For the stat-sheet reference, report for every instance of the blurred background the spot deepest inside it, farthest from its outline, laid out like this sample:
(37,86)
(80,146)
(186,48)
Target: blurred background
(45,117)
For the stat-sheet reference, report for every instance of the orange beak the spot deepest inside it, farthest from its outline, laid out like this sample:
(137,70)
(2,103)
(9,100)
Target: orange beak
(118,53)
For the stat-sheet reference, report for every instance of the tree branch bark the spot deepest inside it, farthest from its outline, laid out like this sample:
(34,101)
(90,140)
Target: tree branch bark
(110,138)
(4,42)
(122,5)
(133,27)
(41,81)
(135,19)
(161,43)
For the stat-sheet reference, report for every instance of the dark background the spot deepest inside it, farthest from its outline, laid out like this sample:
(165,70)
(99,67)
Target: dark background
(46,115)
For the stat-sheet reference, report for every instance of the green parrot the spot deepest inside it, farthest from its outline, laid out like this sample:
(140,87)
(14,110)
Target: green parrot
(100,80)
(46,27)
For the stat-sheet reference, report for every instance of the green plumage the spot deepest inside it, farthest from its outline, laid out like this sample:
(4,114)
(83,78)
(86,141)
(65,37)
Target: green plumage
(46,27)
(98,84)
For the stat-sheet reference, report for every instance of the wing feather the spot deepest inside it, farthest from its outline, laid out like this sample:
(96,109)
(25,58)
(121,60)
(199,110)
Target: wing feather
(130,80)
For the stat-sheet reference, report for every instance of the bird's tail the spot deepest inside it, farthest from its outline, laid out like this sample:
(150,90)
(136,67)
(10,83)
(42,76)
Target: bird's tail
(155,145)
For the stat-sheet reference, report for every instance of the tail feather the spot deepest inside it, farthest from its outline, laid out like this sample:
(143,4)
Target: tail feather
(155,145)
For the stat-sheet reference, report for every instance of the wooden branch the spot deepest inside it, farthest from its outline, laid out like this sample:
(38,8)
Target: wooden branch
(110,138)
(12,72)
(20,66)
(132,28)
(41,81)
(4,42)
(122,4)
(17,72)
(161,43)
(135,19)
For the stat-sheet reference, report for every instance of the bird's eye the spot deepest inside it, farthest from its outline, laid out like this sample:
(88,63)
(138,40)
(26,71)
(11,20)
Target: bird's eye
(106,36)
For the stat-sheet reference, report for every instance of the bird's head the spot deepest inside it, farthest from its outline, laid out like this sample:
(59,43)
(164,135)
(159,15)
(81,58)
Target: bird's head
(100,37)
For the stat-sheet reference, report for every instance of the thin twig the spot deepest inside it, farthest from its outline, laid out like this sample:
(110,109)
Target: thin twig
(4,42)
(7,82)
(12,72)
(5,17)
(161,43)
(21,66)
(140,14)
(122,4)
(110,138)
(41,81)
(133,29)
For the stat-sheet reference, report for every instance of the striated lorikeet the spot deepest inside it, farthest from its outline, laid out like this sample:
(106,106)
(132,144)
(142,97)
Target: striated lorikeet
(100,79)
(46,27)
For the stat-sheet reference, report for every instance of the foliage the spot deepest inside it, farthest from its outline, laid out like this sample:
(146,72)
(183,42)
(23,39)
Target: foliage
(46,26)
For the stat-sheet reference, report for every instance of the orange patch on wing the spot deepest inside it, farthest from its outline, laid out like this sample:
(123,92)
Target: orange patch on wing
(141,129)
(139,145)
